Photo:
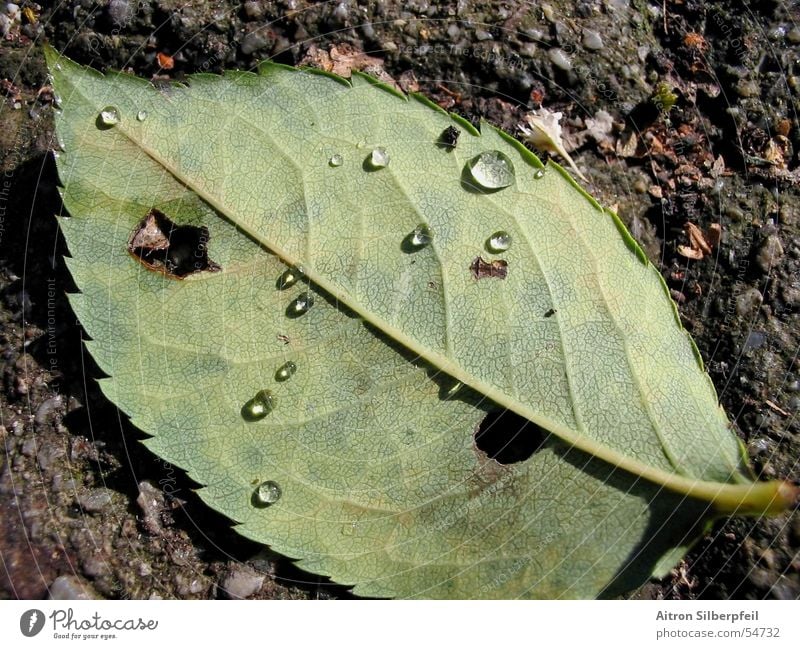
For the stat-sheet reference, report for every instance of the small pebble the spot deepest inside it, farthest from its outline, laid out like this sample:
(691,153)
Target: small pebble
(592,40)
(241,583)
(747,89)
(150,501)
(95,500)
(559,59)
(120,12)
(748,301)
(755,339)
(49,455)
(791,296)
(188,586)
(12,11)
(95,566)
(253,42)
(46,408)
(71,587)
(29,447)
(254,10)
(770,253)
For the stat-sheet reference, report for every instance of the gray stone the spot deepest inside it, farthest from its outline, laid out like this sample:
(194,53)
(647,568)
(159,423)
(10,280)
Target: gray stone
(559,59)
(95,500)
(71,587)
(241,583)
(592,40)
(770,253)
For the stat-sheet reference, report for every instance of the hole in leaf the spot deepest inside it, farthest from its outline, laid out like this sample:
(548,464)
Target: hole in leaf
(176,250)
(507,438)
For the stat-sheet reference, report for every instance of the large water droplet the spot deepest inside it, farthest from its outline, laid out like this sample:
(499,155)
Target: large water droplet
(301,304)
(336,160)
(285,371)
(141,115)
(259,406)
(267,493)
(289,278)
(491,170)
(420,237)
(378,159)
(109,116)
(498,242)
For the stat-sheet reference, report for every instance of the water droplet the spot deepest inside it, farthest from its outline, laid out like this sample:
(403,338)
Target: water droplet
(141,115)
(109,116)
(57,66)
(259,406)
(301,304)
(451,389)
(498,242)
(420,237)
(378,159)
(336,160)
(56,100)
(267,493)
(286,371)
(538,174)
(491,170)
(289,278)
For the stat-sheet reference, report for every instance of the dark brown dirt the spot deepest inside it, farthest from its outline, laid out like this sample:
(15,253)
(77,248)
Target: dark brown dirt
(82,501)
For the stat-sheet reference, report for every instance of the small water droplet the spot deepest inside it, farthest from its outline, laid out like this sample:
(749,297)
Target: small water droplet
(498,242)
(336,160)
(301,304)
(141,115)
(491,170)
(378,159)
(420,237)
(289,278)
(57,66)
(267,493)
(538,174)
(109,116)
(56,100)
(451,389)
(286,371)
(259,406)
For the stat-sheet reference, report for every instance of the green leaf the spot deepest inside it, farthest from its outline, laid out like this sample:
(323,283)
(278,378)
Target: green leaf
(369,445)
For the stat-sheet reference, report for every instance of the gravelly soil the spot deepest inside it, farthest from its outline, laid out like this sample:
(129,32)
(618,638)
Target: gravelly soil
(85,509)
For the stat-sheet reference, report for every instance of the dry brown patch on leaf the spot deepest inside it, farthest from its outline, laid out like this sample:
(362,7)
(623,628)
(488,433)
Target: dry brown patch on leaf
(481,268)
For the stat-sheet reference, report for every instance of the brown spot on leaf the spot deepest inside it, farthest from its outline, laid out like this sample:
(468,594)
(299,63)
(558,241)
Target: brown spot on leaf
(175,250)
(481,268)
